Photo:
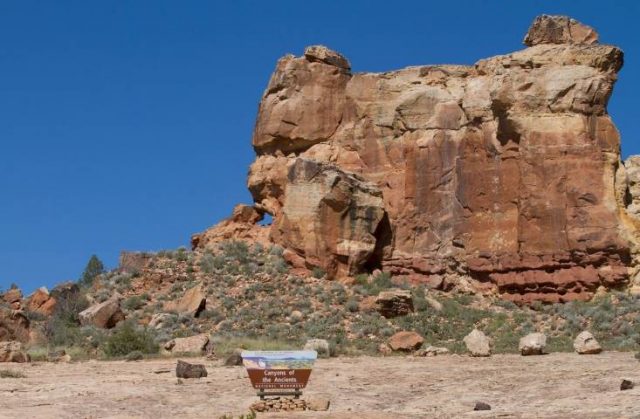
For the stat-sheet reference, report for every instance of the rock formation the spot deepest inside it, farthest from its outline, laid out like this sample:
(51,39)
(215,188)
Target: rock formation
(506,173)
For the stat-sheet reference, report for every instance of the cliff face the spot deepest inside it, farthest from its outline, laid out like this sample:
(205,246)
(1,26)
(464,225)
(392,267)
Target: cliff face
(506,173)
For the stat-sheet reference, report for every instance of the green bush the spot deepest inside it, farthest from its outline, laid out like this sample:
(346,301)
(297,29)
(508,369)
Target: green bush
(134,303)
(127,338)
(318,272)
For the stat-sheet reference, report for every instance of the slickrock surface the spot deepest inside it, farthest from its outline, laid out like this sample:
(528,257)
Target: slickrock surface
(504,176)
(556,385)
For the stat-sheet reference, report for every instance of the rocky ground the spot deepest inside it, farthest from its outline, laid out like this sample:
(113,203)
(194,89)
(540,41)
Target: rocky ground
(556,385)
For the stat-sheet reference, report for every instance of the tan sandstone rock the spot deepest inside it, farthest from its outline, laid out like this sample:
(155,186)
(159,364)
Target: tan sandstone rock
(14,326)
(104,315)
(12,352)
(586,344)
(190,345)
(477,343)
(394,303)
(533,344)
(242,225)
(559,30)
(192,302)
(405,341)
(41,302)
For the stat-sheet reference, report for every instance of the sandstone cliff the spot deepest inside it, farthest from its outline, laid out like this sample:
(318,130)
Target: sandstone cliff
(505,176)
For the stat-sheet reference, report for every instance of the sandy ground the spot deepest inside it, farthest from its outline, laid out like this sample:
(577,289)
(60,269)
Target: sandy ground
(556,385)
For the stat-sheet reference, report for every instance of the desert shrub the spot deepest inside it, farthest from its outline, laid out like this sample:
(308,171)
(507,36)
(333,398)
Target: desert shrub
(352,306)
(11,374)
(134,302)
(318,272)
(34,316)
(127,338)
(235,250)
(380,282)
(62,328)
(134,356)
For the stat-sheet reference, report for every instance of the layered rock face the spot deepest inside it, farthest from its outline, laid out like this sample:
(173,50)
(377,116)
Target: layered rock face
(503,172)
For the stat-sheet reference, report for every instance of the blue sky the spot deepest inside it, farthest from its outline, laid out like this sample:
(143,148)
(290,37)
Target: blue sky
(127,124)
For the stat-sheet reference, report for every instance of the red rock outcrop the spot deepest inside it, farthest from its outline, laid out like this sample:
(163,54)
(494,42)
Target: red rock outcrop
(41,302)
(504,172)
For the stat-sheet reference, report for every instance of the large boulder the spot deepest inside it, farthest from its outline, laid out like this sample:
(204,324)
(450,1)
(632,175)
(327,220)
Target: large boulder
(104,315)
(533,344)
(586,344)
(406,341)
(503,171)
(192,345)
(477,343)
(41,302)
(242,225)
(12,352)
(394,303)
(192,302)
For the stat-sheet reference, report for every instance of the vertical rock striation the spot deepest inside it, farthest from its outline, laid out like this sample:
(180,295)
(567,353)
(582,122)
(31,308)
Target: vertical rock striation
(505,172)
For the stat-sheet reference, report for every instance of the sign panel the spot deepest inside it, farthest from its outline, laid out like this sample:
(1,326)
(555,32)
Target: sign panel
(279,370)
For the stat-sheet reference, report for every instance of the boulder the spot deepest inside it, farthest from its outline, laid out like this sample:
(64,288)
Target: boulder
(192,345)
(187,370)
(41,302)
(547,29)
(481,406)
(159,320)
(318,404)
(321,346)
(626,385)
(193,302)
(235,359)
(12,352)
(104,315)
(13,297)
(243,224)
(505,170)
(394,303)
(533,344)
(477,343)
(134,262)
(405,341)
(585,343)
(384,349)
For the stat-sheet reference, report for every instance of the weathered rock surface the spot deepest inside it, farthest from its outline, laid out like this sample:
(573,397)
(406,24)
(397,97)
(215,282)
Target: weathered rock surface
(394,303)
(13,297)
(187,370)
(405,341)
(104,315)
(12,352)
(533,344)
(585,344)
(321,346)
(191,345)
(477,343)
(134,262)
(242,225)
(506,172)
(41,302)
(192,302)
(14,326)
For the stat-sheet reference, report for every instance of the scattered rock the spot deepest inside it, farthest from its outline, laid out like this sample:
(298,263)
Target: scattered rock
(192,302)
(104,315)
(41,302)
(12,352)
(547,29)
(186,370)
(159,320)
(481,406)
(277,404)
(585,344)
(626,385)
(58,356)
(384,349)
(191,345)
(477,343)
(533,344)
(432,351)
(406,341)
(394,303)
(235,359)
(318,404)
(321,346)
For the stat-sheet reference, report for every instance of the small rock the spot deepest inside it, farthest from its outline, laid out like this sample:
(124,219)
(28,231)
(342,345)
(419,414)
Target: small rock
(406,341)
(533,344)
(321,346)
(186,370)
(318,404)
(12,352)
(192,345)
(56,356)
(235,359)
(432,351)
(481,406)
(477,343)
(585,344)
(394,303)
(384,349)
(626,385)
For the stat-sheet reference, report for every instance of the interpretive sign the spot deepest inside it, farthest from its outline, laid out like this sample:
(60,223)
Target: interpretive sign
(279,370)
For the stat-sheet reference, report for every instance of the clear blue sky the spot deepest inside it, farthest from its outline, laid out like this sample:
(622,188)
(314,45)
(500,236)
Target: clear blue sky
(127,124)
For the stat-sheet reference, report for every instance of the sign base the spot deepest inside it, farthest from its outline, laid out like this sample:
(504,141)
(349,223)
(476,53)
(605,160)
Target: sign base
(295,393)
